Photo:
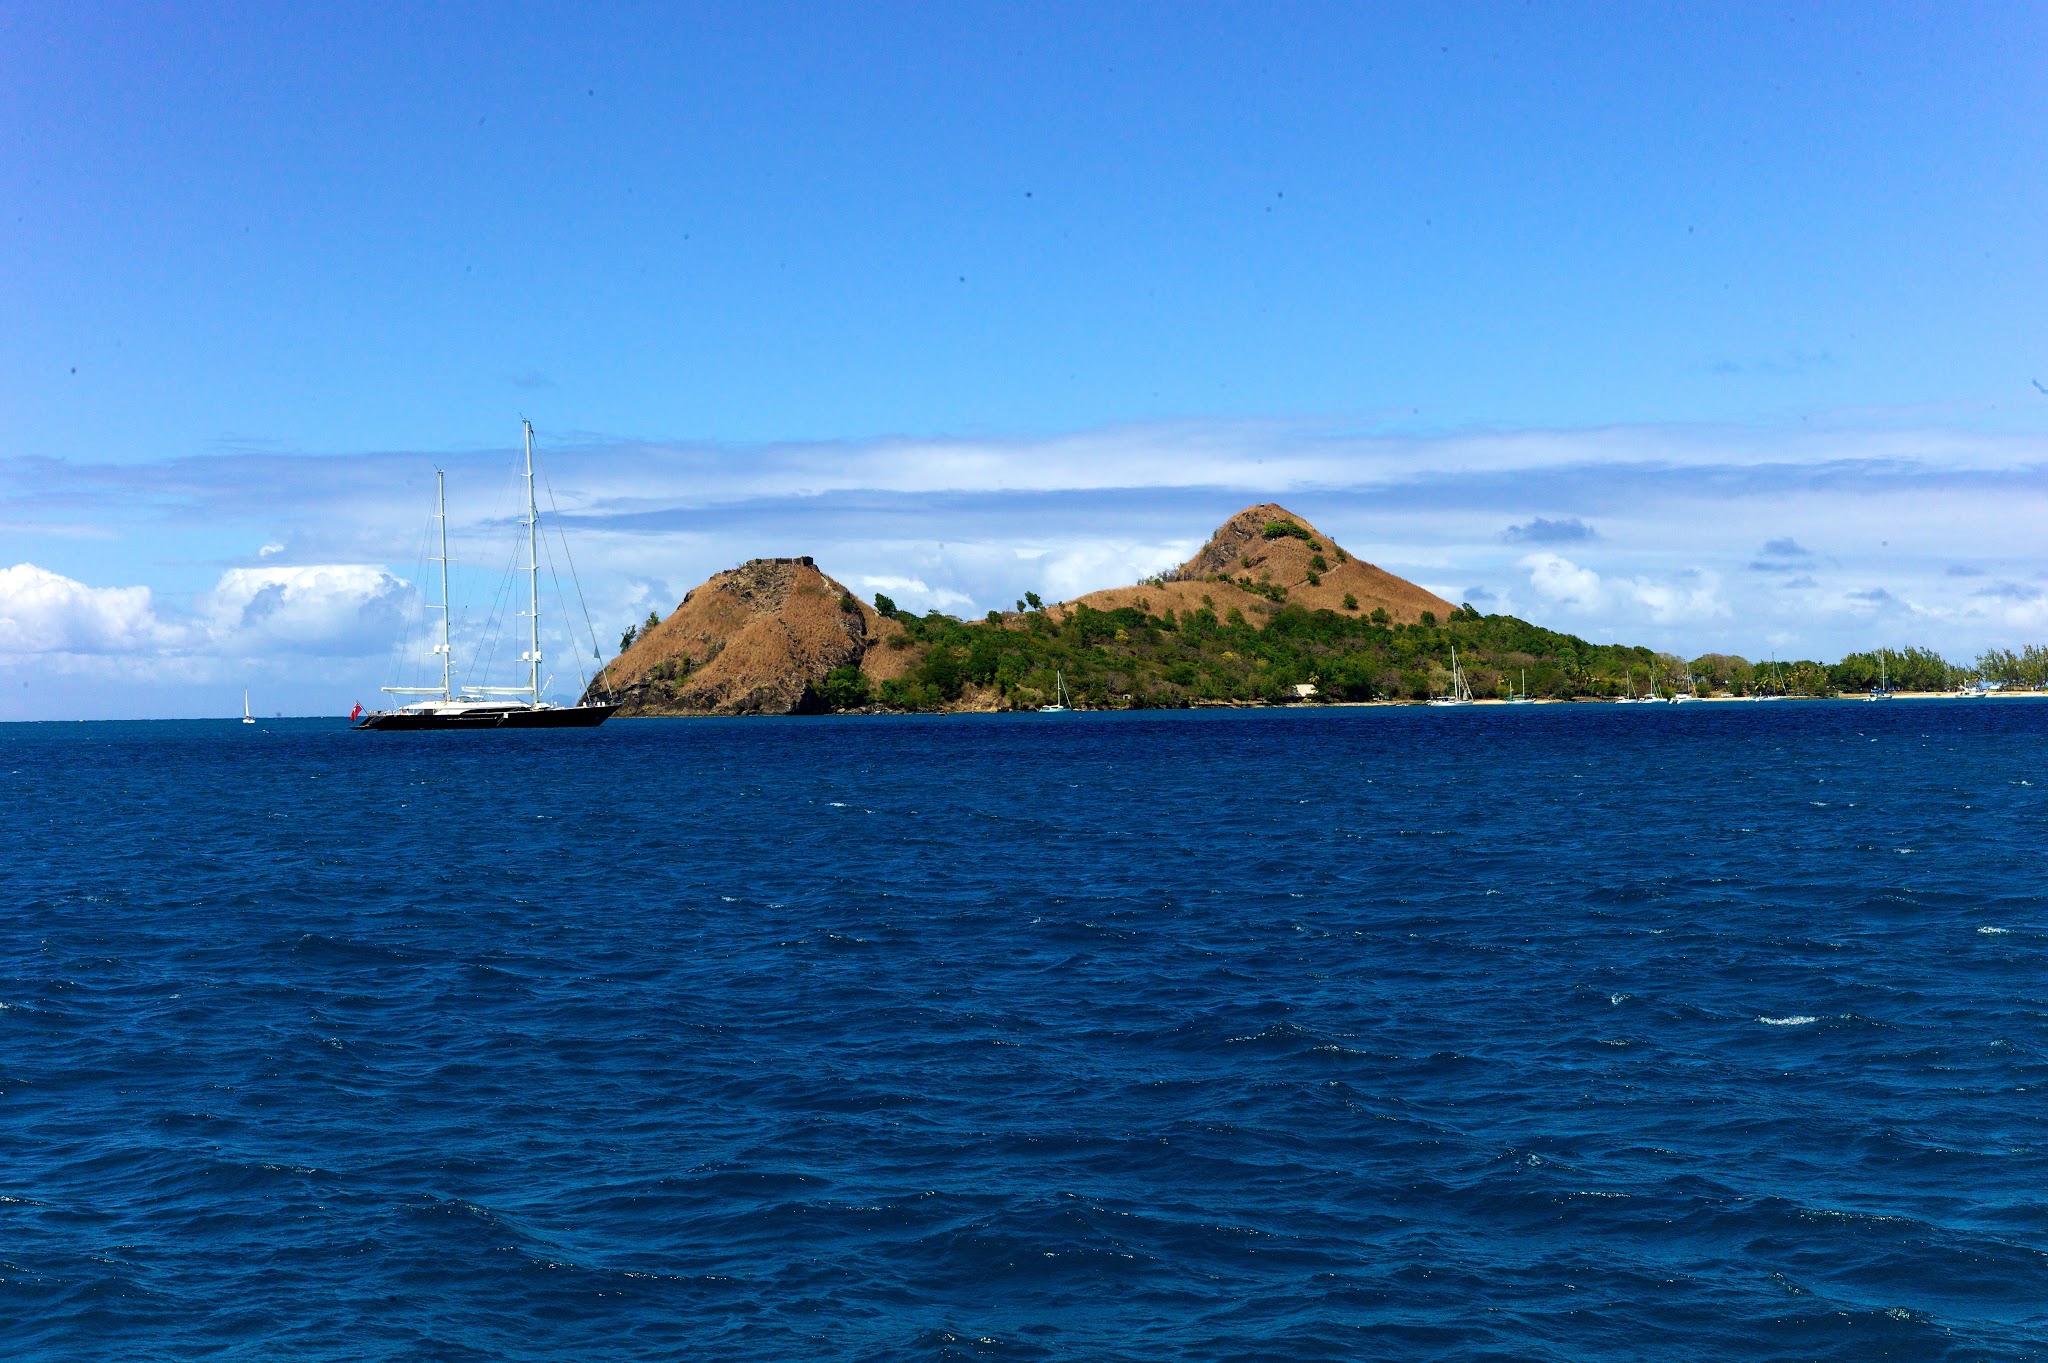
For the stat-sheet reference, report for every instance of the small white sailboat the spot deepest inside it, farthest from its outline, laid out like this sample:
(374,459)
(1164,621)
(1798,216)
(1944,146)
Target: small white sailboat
(1653,698)
(1460,693)
(1777,678)
(247,718)
(1060,706)
(1883,689)
(1521,697)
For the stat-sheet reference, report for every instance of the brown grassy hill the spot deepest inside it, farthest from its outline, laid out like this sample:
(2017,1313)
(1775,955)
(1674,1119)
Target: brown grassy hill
(1270,569)
(749,642)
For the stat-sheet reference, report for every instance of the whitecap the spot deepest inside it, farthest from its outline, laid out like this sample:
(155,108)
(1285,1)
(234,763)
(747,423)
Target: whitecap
(1994,932)
(1796,1020)
(1616,999)
(838,804)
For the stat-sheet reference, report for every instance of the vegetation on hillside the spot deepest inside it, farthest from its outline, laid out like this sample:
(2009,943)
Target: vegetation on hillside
(1134,658)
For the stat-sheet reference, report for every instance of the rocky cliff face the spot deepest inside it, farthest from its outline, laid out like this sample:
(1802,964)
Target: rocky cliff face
(750,641)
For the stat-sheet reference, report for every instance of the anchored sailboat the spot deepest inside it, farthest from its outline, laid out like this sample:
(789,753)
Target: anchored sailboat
(487,707)
(1769,677)
(1460,693)
(1060,706)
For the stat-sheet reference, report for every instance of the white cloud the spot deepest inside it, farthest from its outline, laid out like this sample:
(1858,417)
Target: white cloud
(2028,617)
(1692,602)
(45,612)
(1559,580)
(345,608)
(917,594)
(314,608)
(1075,569)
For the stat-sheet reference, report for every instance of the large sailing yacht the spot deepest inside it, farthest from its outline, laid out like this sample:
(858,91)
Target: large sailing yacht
(487,707)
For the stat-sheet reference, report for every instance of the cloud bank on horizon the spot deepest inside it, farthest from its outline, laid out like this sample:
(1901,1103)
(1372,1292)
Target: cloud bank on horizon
(163,588)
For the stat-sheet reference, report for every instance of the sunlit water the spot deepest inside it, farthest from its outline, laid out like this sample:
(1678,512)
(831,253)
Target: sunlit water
(1553,1033)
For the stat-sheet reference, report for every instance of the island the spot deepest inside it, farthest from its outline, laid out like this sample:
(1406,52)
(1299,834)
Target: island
(1270,611)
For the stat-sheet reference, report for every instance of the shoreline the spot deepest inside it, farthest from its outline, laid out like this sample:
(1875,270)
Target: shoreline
(1305,706)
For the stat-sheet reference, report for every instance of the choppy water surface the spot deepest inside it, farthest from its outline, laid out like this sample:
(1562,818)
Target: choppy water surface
(1557,1033)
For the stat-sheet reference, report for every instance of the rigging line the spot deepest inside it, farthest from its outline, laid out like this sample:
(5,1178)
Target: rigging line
(401,664)
(501,595)
(555,576)
(487,646)
(498,602)
(563,536)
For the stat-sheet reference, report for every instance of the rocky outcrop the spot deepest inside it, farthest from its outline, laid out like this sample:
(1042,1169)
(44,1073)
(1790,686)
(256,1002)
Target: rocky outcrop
(1266,555)
(750,641)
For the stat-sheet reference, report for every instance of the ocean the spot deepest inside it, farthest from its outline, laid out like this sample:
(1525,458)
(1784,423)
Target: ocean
(1558,1032)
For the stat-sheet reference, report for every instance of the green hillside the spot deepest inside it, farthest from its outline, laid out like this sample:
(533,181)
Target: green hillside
(1133,658)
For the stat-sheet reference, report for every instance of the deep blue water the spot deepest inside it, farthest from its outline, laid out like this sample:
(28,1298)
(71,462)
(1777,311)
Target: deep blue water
(1716,1032)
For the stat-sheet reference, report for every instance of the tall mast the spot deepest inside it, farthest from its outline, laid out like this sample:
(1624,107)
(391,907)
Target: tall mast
(441,515)
(532,570)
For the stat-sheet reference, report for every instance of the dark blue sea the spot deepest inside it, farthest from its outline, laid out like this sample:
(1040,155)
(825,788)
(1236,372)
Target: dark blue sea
(1557,1033)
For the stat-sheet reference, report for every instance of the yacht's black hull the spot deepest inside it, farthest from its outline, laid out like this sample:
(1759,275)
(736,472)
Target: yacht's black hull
(553,717)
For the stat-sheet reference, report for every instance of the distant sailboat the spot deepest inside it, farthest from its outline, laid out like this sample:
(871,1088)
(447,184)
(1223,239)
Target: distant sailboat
(1776,677)
(1522,697)
(247,718)
(1060,707)
(1883,690)
(1460,693)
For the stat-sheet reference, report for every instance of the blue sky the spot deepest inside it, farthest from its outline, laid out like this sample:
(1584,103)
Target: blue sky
(1569,311)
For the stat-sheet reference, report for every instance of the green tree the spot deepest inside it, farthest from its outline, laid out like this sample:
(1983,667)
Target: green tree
(844,688)
(941,672)
(984,656)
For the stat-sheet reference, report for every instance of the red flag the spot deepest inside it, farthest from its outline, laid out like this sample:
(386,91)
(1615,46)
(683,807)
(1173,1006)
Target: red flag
(358,710)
